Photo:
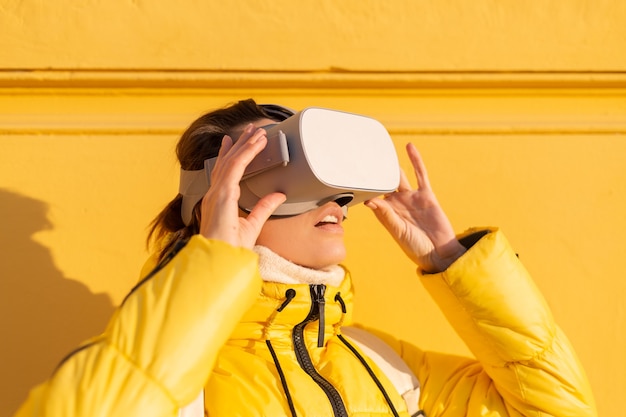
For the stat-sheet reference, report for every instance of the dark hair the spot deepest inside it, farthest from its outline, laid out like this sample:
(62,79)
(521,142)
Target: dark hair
(201,141)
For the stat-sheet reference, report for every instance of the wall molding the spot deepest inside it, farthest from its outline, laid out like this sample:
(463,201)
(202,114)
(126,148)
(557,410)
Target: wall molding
(333,78)
(90,102)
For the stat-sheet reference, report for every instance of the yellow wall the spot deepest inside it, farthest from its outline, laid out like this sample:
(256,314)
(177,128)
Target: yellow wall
(519,111)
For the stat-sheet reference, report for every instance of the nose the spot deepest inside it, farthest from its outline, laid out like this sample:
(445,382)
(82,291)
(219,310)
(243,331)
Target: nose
(343,199)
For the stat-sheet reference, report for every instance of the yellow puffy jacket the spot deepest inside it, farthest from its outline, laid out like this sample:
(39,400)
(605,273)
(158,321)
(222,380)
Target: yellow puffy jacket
(205,320)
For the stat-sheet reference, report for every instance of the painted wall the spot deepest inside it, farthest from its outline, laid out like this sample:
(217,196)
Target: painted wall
(518,109)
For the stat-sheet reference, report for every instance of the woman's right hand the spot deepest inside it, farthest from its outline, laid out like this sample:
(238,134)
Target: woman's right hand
(220,218)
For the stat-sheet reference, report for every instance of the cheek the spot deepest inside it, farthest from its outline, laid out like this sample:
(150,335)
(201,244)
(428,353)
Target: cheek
(306,247)
(278,235)
(290,239)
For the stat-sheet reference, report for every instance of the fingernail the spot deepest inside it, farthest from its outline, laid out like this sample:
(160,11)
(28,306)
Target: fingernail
(371,205)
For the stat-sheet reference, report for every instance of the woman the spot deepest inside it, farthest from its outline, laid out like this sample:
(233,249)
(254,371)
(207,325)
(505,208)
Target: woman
(245,314)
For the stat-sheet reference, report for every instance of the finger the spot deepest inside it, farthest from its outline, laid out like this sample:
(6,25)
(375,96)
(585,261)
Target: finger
(246,134)
(233,164)
(250,149)
(227,143)
(222,155)
(405,184)
(419,167)
(264,209)
(250,134)
(247,147)
(385,214)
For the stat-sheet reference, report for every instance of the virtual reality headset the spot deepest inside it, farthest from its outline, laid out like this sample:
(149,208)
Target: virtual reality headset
(314,156)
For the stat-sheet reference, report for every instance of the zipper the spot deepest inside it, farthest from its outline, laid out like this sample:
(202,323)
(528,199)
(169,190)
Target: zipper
(302,354)
(317,295)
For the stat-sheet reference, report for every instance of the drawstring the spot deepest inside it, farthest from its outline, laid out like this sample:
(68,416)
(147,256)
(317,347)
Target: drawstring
(289,295)
(340,300)
(283,381)
(371,373)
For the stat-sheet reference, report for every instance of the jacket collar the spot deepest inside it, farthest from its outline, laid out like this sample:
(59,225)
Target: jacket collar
(264,320)
(275,268)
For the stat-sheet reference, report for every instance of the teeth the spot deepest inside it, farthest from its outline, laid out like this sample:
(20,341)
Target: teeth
(330,219)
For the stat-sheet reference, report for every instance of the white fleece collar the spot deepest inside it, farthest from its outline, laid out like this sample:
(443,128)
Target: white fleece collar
(275,268)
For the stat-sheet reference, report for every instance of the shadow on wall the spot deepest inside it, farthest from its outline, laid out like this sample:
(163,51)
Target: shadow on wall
(43,314)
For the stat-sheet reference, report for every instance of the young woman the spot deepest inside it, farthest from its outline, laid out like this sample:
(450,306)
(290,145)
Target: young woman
(245,314)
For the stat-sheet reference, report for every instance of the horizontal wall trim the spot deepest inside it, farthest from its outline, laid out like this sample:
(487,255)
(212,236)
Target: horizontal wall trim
(109,130)
(327,79)
(128,103)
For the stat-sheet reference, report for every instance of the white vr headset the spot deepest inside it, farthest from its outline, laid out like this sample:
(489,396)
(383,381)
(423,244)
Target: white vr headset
(313,157)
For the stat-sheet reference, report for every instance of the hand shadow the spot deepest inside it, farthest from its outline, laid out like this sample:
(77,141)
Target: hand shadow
(43,314)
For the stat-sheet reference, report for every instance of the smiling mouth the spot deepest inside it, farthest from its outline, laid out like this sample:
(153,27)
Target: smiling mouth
(329,219)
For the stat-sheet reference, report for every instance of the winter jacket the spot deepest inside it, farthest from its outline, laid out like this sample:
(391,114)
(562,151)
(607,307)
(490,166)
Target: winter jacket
(205,320)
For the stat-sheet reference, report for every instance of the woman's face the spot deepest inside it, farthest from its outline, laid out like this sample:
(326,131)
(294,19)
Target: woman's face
(313,239)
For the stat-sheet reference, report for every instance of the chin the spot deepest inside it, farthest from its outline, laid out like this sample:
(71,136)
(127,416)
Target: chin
(329,258)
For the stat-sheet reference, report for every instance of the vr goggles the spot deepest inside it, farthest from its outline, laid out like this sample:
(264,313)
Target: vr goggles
(313,156)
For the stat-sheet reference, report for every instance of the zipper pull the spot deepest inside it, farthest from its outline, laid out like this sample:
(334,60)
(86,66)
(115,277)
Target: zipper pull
(318,292)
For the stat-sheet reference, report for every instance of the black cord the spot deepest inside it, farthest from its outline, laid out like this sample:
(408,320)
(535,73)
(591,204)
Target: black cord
(371,372)
(166,259)
(283,380)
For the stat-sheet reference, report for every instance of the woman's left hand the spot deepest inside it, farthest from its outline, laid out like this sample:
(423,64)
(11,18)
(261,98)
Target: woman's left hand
(417,222)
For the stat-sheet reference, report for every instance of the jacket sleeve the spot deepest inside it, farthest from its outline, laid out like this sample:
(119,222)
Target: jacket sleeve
(525,365)
(161,344)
